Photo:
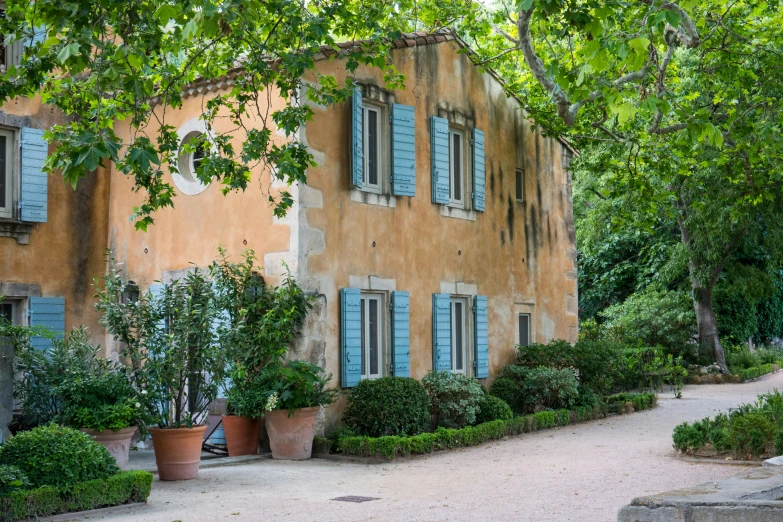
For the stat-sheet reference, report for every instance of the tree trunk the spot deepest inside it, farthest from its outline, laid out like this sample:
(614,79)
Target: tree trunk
(708,325)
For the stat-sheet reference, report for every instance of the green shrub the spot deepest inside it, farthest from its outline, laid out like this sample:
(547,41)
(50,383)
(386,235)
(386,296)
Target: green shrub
(751,432)
(388,406)
(454,398)
(689,437)
(741,358)
(123,488)
(492,408)
(100,401)
(321,445)
(57,456)
(41,372)
(12,479)
(653,318)
(527,390)
(509,391)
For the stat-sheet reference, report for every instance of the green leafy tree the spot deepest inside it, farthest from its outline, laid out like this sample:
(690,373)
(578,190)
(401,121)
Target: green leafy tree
(103,62)
(685,96)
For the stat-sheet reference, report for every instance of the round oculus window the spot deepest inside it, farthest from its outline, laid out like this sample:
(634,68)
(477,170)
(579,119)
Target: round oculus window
(191,154)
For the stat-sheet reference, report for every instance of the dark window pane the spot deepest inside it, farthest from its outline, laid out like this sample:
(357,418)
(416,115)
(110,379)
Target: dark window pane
(456,158)
(524,329)
(372,148)
(364,340)
(458,327)
(6,313)
(3,175)
(373,337)
(520,185)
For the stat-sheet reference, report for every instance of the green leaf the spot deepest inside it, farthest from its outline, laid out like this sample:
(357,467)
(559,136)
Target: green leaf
(165,13)
(639,45)
(72,49)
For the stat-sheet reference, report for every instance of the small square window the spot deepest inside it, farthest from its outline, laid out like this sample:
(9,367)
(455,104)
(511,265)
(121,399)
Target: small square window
(524,330)
(11,311)
(458,335)
(373,150)
(372,335)
(520,177)
(457,168)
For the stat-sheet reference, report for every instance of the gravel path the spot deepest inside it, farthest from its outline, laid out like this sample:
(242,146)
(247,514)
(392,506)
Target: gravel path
(581,473)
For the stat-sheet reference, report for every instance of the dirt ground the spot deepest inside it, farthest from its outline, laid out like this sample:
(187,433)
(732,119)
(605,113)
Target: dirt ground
(581,473)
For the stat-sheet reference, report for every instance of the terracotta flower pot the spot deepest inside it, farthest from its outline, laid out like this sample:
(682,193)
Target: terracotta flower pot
(241,434)
(117,442)
(178,451)
(291,438)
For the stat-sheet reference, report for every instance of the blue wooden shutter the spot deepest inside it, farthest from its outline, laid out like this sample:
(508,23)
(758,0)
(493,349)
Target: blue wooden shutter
(479,171)
(403,150)
(351,336)
(48,312)
(439,136)
(401,334)
(357,139)
(34,180)
(481,343)
(441,333)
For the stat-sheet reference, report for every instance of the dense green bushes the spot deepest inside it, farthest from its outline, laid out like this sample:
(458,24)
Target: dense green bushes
(527,390)
(606,366)
(123,488)
(653,318)
(443,438)
(388,406)
(492,408)
(58,457)
(454,398)
(749,431)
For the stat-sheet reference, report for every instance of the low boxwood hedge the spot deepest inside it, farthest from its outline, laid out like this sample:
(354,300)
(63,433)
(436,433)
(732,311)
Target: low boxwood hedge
(123,488)
(391,447)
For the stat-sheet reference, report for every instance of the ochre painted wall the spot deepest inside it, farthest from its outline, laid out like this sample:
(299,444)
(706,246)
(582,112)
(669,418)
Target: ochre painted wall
(515,253)
(65,253)
(190,233)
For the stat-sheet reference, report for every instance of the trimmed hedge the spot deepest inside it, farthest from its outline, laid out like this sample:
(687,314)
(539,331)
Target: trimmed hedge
(757,371)
(125,487)
(391,447)
(747,374)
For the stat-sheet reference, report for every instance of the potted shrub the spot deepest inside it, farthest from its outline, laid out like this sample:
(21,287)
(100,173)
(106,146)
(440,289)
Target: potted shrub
(106,407)
(297,390)
(259,324)
(246,402)
(171,345)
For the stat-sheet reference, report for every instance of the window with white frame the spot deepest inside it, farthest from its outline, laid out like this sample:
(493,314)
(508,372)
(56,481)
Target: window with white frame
(8,178)
(459,310)
(373,152)
(524,330)
(11,311)
(457,168)
(372,335)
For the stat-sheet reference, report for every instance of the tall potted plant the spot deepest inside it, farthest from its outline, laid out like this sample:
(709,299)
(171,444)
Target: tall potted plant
(170,343)
(297,390)
(260,322)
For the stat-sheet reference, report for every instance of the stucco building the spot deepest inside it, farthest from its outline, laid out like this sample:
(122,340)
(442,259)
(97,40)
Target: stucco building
(436,229)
